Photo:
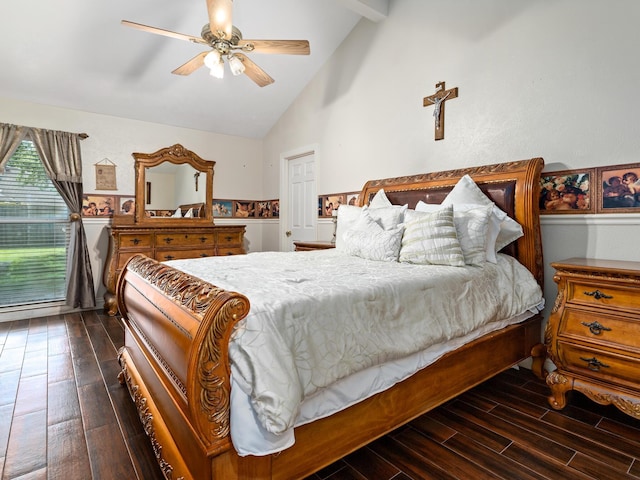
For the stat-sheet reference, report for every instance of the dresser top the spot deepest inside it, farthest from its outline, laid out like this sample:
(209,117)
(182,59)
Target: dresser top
(599,265)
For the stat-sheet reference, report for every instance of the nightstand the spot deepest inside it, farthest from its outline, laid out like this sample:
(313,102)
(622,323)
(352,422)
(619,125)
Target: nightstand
(302,246)
(593,333)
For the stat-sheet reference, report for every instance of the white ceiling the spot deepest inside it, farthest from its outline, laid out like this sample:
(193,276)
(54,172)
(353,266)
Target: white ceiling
(76,54)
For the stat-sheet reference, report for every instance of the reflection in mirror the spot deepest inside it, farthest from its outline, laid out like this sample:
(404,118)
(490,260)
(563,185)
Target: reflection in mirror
(170,185)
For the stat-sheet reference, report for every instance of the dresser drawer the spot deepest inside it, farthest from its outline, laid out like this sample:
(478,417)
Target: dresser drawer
(612,330)
(229,239)
(134,240)
(604,295)
(174,239)
(600,364)
(230,251)
(163,255)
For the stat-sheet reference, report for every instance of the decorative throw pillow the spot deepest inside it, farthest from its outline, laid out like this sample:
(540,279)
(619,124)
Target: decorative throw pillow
(467,192)
(492,230)
(472,224)
(380,200)
(387,217)
(430,238)
(367,239)
(347,217)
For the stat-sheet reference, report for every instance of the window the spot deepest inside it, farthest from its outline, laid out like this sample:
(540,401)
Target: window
(34,232)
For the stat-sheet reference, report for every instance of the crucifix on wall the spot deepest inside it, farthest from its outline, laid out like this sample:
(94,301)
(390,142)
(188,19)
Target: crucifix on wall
(437,100)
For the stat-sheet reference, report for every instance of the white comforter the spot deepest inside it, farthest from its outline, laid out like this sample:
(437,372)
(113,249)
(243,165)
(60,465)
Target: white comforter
(318,317)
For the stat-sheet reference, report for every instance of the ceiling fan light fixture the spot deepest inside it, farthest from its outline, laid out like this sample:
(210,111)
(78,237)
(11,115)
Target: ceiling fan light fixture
(213,61)
(236,65)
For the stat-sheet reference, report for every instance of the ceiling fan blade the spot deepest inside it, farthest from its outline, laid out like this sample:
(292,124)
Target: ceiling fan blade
(166,33)
(254,72)
(287,47)
(220,17)
(192,65)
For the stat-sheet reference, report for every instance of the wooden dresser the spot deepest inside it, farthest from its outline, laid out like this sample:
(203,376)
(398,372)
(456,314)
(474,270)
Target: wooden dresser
(593,333)
(166,242)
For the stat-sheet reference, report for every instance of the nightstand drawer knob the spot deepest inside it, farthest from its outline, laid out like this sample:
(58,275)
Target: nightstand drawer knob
(594,364)
(596,328)
(597,294)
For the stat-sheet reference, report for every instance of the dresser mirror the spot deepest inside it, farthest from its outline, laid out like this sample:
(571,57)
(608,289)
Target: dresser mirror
(173,185)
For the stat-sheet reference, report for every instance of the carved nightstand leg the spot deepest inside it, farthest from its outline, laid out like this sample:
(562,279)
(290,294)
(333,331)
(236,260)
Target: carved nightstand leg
(559,385)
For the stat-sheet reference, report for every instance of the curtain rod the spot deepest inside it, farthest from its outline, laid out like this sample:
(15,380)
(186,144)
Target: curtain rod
(83,136)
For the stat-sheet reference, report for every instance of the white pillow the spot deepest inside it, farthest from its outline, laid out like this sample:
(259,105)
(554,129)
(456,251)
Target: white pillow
(387,217)
(367,239)
(467,192)
(493,227)
(430,238)
(472,227)
(380,200)
(347,217)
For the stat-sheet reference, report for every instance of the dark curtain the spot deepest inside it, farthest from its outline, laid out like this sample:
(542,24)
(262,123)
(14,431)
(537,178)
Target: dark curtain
(60,154)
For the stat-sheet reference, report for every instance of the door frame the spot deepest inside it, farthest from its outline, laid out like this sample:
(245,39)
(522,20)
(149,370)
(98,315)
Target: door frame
(285,158)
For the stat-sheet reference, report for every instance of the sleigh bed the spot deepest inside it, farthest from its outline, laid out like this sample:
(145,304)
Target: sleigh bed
(178,328)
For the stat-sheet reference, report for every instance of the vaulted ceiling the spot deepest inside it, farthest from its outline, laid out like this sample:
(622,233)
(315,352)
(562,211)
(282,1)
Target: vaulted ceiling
(76,54)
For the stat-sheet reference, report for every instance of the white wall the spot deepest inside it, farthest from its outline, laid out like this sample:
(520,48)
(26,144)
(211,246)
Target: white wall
(551,78)
(236,174)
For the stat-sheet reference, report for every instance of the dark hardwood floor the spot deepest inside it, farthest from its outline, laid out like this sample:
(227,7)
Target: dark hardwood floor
(63,415)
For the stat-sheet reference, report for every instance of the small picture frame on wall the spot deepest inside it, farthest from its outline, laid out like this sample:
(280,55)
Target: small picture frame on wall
(126,205)
(331,203)
(352,198)
(98,205)
(567,191)
(222,208)
(263,209)
(244,209)
(275,208)
(619,188)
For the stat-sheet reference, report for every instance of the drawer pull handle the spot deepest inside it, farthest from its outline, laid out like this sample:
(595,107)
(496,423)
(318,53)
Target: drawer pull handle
(228,238)
(594,364)
(596,327)
(168,240)
(203,239)
(203,255)
(169,257)
(135,241)
(597,294)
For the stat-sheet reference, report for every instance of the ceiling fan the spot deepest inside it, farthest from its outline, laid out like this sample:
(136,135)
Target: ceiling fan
(226,40)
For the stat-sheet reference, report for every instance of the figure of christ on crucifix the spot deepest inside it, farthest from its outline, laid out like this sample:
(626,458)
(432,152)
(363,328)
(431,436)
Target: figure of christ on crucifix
(437,100)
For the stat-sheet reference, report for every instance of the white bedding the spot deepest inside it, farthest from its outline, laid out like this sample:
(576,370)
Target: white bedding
(363,324)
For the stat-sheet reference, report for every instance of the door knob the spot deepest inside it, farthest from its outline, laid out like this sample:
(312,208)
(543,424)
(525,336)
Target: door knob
(288,233)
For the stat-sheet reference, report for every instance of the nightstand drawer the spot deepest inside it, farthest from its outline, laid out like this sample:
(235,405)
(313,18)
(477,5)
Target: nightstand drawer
(611,330)
(600,364)
(603,295)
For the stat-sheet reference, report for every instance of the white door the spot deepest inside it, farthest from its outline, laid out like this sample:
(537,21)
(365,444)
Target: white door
(303,200)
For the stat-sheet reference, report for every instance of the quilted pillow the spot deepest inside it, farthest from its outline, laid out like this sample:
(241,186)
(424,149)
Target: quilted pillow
(367,239)
(387,217)
(472,226)
(467,192)
(347,217)
(430,238)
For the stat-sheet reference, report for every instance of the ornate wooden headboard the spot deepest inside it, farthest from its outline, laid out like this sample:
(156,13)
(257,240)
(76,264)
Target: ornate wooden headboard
(512,186)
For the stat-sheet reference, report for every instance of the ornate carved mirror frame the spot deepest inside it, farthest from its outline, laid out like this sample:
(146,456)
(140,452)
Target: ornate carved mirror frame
(176,155)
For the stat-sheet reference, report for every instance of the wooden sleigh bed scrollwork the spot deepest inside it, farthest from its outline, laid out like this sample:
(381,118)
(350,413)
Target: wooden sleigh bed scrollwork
(177,330)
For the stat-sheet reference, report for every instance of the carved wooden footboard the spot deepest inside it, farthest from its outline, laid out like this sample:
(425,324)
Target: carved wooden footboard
(175,359)
(175,362)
